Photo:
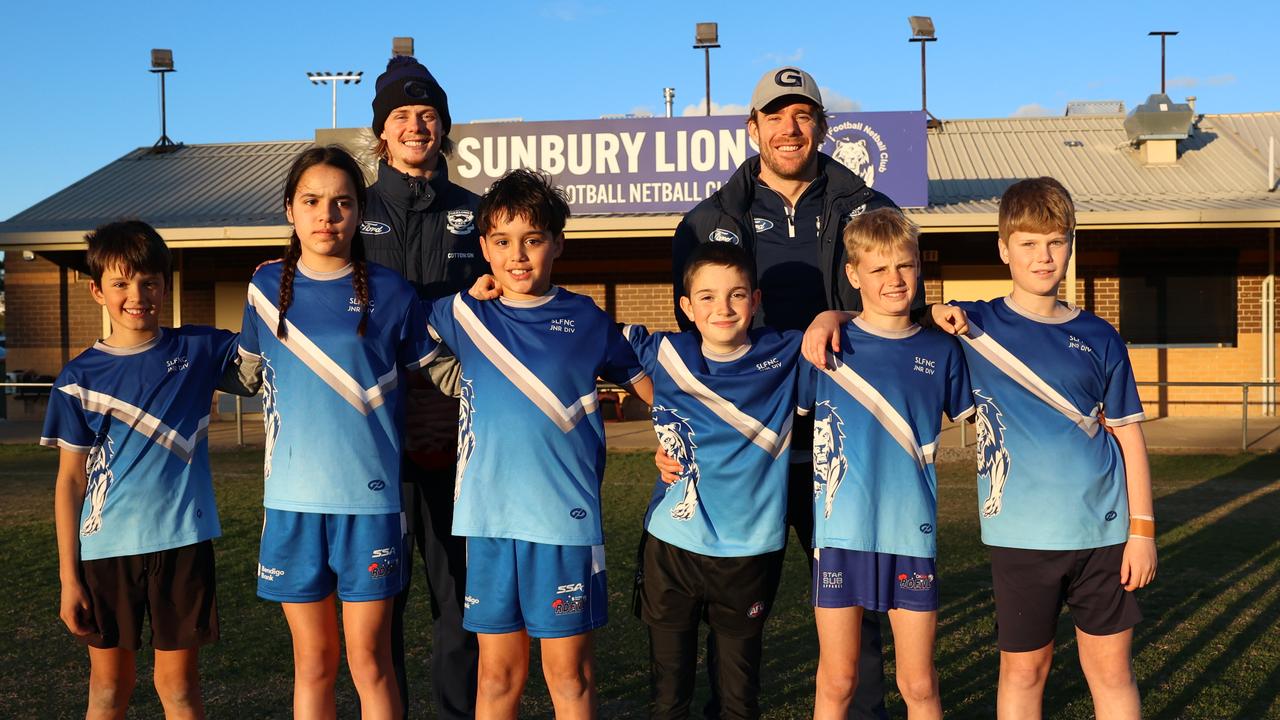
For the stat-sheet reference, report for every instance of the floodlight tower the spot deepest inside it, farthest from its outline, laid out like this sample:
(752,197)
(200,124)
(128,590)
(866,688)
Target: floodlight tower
(922,32)
(162,64)
(348,77)
(706,35)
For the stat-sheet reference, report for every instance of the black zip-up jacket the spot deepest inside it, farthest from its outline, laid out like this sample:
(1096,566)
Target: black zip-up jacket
(726,216)
(424,230)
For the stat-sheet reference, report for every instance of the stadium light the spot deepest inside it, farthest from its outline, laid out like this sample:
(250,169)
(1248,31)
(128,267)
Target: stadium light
(922,32)
(706,35)
(401,46)
(162,64)
(348,77)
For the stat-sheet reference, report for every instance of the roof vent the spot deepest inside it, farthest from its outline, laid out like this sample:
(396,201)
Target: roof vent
(1156,126)
(1095,107)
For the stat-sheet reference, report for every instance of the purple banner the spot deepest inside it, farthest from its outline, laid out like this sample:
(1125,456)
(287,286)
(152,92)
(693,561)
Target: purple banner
(668,165)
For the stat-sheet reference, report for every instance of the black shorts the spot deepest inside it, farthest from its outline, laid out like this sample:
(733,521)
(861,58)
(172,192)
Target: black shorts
(1031,585)
(733,594)
(176,588)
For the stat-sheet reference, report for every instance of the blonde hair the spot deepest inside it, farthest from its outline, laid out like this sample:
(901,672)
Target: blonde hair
(1037,205)
(884,230)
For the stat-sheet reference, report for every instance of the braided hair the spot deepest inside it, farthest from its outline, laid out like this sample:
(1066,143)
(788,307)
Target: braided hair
(335,157)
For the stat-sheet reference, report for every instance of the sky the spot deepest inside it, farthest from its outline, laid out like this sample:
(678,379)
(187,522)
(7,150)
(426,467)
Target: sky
(78,94)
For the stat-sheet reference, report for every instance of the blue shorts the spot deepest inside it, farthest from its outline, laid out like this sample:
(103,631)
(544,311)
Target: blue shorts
(875,581)
(304,557)
(550,591)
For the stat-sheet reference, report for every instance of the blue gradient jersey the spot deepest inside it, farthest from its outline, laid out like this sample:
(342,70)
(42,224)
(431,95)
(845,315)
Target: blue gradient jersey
(727,419)
(331,399)
(876,421)
(1049,476)
(141,417)
(530,438)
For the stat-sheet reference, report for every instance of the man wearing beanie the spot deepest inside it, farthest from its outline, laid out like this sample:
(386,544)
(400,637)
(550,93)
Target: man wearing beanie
(788,207)
(421,225)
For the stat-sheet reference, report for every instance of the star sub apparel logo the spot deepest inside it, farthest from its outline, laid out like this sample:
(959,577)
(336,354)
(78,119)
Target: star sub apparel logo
(384,563)
(570,599)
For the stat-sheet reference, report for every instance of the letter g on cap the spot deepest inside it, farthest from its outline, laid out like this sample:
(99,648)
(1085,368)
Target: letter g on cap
(788,77)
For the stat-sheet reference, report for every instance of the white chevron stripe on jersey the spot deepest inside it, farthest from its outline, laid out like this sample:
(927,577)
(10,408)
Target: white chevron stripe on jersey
(1017,371)
(348,388)
(140,421)
(565,418)
(752,429)
(880,408)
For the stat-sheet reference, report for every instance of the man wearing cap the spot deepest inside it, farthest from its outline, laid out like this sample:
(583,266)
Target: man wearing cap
(421,225)
(788,207)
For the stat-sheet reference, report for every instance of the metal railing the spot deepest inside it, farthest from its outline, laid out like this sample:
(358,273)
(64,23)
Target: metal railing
(1244,397)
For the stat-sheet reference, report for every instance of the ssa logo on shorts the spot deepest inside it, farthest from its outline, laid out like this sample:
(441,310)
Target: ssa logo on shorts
(460,222)
(369,227)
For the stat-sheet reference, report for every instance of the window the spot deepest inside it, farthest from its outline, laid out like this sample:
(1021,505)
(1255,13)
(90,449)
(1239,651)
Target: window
(1178,297)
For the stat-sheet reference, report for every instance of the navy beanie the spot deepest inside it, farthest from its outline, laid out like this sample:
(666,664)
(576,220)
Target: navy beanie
(407,82)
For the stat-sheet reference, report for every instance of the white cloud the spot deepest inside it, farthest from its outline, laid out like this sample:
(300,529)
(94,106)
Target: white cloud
(1225,79)
(780,59)
(838,102)
(1033,110)
(716,109)
(642,111)
(1183,81)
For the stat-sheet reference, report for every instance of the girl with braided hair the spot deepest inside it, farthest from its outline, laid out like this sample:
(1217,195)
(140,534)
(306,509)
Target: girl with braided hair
(330,339)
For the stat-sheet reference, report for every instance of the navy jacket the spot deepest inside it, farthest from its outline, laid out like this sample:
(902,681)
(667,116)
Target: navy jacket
(424,230)
(726,216)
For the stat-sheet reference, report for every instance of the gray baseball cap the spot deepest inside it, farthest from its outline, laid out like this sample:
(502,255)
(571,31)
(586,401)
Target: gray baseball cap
(784,82)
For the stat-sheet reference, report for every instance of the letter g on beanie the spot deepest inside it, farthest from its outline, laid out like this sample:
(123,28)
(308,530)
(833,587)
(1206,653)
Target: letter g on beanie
(407,82)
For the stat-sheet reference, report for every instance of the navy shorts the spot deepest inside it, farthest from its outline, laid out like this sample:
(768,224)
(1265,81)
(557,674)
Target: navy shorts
(550,591)
(1031,586)
(875,581)
(305,557)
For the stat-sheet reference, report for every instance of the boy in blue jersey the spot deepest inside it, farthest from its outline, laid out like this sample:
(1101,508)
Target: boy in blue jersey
(724,399)
(131,417)
(1058,427)
(531,452)
(877,416)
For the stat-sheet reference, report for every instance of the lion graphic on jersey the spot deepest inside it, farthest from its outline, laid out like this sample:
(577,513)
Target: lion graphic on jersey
(993,457)
(676,437)
(270,413)
(466,436)
(97,470)
(853,154)
(829,463)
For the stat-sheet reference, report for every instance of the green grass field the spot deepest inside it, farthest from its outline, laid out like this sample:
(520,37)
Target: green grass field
(1209,648)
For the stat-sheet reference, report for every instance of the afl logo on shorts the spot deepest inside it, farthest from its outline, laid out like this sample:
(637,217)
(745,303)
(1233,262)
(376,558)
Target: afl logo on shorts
(762,225)
(722,235)
(460,222)
(369,227)
(1110,516)
(577,513)
(926,528)
(377,485)
(755,610)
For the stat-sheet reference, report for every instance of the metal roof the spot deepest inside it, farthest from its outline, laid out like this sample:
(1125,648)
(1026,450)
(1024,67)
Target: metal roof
(228,193)
(1220,168)
(192,186)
